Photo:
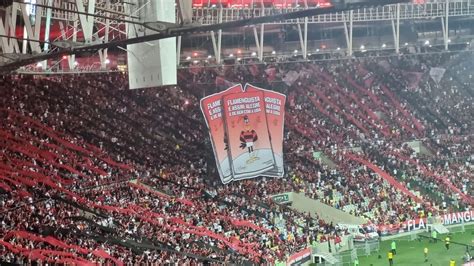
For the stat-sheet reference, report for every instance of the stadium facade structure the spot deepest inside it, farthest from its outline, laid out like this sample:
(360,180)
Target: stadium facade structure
(437,25)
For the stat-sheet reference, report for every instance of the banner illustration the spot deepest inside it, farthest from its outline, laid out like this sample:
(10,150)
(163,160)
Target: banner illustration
(246,131)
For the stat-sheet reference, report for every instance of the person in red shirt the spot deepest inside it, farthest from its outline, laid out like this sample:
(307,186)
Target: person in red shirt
(248,136)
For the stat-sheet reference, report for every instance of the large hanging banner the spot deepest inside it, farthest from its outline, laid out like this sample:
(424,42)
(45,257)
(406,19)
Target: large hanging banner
(213,114)
(246,131)
(275,115)
(250,150)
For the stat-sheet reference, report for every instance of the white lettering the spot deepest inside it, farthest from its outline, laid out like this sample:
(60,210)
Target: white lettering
(409,225)
(243,100)
(421,225)
(454,219)
(447,219)
(468,216)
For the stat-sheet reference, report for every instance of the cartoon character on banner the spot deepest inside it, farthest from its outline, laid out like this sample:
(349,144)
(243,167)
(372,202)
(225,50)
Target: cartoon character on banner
(248,137)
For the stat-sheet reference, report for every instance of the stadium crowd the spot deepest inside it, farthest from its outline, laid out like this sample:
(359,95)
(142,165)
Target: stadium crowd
(96,172)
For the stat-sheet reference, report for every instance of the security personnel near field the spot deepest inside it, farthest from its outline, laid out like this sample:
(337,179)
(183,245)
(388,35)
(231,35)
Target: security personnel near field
(390,258)
(425,251)
(394,247)
(356,262)
(434,235)
(452,262)
(446,242)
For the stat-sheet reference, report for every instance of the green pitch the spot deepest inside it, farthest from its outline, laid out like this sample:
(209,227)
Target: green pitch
(410,253)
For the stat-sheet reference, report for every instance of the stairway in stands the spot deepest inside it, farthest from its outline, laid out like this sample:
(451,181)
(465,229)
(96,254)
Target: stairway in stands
(384,175)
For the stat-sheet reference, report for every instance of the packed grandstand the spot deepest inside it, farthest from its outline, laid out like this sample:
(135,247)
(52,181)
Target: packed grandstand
(91,171)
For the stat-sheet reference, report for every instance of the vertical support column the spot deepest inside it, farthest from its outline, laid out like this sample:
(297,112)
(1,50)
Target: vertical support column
(47,30)
(24,46)
(262,33)
(219,47)
(446,26)
(103,52)
(219,37)
(87,22)
(397,41)
(348,32)
(216,45)
(305,52)
(396,29)
(303,35)
(8,28)
(178,51)
(29,32)
(71,59)
(185,11)
(351,20)
(259,43)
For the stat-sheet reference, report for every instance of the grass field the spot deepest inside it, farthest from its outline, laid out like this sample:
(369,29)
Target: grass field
(410,253)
